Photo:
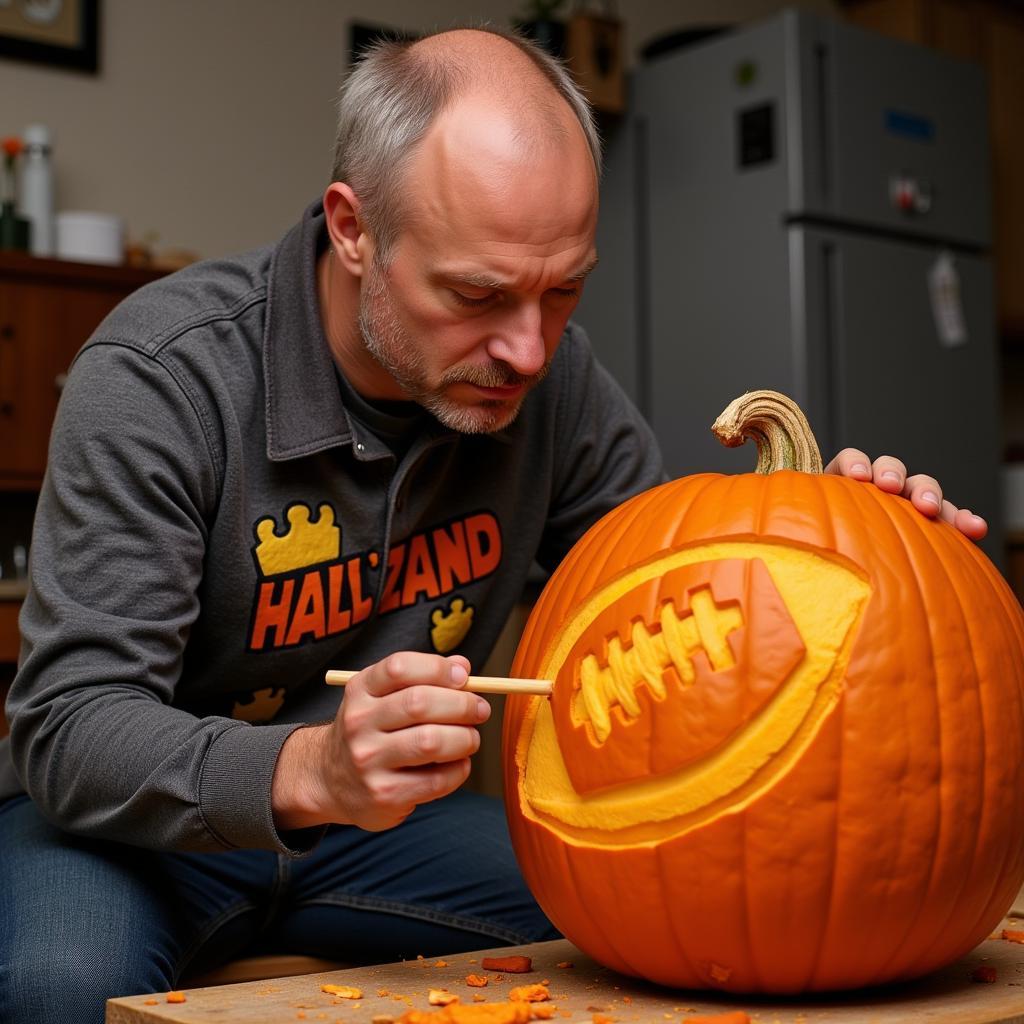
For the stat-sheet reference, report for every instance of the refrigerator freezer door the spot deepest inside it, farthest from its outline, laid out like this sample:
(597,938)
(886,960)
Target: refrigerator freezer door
(890,135)
(902,360)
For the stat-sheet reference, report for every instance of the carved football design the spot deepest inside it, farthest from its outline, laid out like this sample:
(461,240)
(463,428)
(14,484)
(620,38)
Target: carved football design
(785,746)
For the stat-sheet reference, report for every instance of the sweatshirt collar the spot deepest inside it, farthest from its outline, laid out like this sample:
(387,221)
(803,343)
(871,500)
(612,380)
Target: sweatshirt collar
(304,409)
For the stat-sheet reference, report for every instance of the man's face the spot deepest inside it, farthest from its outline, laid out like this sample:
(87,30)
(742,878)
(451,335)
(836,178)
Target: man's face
(487,269)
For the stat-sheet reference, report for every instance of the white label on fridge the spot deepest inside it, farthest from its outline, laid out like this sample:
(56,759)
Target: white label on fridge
(947,307)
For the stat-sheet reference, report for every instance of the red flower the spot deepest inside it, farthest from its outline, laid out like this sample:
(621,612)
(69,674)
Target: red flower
(12,146)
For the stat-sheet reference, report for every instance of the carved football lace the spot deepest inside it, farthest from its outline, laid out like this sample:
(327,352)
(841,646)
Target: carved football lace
(671,644)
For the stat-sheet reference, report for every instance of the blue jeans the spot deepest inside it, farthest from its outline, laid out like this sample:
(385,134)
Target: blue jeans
(83,920)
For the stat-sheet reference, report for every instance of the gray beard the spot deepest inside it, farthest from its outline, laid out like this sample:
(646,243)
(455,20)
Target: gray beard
(393,349)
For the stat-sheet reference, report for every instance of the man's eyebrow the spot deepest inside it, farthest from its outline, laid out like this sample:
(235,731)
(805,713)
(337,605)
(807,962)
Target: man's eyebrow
(478,281)
(584,270)
(489,283)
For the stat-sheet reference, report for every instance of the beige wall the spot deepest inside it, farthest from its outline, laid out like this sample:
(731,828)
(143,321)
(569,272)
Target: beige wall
(210,123)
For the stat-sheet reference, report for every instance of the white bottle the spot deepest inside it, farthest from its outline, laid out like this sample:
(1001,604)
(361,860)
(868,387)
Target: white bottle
(36,195)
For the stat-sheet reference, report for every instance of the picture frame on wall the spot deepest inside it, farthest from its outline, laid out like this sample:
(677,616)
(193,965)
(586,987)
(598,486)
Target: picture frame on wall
(61,33)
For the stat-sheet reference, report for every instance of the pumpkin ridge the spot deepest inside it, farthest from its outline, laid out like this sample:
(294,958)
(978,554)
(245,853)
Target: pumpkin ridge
(920,561)
(760,516)
(904,519)
(815,979)
(817,975)
(681,946)
(993,906)
(979,692)
(892,850)
(582,887)
(918,553)
(749,946)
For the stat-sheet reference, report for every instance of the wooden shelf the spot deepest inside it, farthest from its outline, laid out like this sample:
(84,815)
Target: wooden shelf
(20,266)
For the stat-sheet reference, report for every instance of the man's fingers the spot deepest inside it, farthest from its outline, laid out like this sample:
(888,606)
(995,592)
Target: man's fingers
(851,462)
(432,744)
(969,524)
(925,494)
(410,748)
(436,781)
(423,704)
(410,668)
(889,474)
(949,512)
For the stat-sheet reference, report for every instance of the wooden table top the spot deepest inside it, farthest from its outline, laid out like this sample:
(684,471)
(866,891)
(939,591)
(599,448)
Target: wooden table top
(586,989)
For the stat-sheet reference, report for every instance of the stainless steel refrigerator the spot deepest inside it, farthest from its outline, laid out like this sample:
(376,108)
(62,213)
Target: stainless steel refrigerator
(805,206)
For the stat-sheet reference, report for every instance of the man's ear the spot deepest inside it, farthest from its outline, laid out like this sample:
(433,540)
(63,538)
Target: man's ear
(349,239)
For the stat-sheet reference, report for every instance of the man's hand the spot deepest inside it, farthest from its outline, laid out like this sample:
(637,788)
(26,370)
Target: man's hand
(402,736)
(924,492)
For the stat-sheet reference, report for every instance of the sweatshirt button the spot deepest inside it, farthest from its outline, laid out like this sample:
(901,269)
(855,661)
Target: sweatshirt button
(360,447)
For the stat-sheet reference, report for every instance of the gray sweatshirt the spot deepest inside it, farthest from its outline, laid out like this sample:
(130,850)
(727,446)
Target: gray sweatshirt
(221,516)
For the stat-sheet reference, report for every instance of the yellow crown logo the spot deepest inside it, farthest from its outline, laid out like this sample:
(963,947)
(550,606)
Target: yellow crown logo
(449,630)
(305,543)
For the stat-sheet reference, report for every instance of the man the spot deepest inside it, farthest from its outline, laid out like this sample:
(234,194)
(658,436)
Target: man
(343,451)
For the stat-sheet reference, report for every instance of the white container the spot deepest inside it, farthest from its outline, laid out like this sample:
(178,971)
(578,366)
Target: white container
(36,190)
(90,237)
(1013,496)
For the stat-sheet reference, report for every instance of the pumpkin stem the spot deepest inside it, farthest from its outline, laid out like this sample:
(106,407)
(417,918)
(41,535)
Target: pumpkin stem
(778,427)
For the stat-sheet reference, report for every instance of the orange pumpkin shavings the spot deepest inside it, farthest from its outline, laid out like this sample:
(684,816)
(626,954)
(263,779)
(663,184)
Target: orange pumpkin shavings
(175,997)
(564,964)
(600,1018)
(342,991)
(732,1017)
(441,997)
(543,1012)
(509,964)
(458,1013)
(1013,935)
(151,1002)
(440,963)
(476,980)
(529,994)
(984,974)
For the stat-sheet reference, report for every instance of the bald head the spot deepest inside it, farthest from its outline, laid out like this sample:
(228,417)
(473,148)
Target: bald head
(485,63)
(496,90)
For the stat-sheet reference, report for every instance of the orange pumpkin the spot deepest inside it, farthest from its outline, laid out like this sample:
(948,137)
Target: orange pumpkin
(785,746)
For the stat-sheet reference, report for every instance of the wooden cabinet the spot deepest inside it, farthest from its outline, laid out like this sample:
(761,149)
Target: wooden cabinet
(992,34)
(48,309)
